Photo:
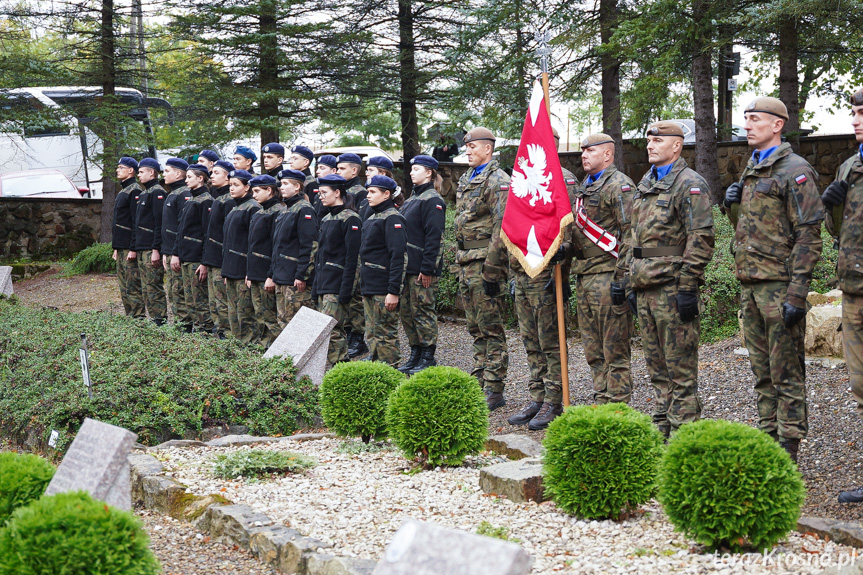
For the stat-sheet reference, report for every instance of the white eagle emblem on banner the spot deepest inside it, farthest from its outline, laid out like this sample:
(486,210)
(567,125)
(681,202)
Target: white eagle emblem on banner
(532,180)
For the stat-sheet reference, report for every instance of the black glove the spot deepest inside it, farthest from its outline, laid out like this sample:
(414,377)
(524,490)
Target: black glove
(491,289)
(687,305)
(559,255)
(632,300)
(835,193)
(512,289)
(618,294)
(733,194)
(791,314)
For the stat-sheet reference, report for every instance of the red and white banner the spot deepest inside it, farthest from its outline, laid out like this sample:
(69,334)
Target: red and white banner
(593,231)
(537,208)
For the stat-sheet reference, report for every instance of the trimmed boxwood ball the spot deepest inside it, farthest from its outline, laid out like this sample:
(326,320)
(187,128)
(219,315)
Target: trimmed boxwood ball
(354,398)
(73,534)
(726,484)
(601,461)
(439,415)
(23,478)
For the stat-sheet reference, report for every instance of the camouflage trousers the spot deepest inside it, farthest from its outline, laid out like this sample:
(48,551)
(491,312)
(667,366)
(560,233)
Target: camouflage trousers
(329,304)
(197,298)
(606,332)
(153,286)
(536,309)
(176,295)
(777,359)
(218,299)
(485,323)
(356,308)
(289,301)
(264,303)
(129,278)
(241,312)
(852,341)
(382,330)
(671,354)
(417,311)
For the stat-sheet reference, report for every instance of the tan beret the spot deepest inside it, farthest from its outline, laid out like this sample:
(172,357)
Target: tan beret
(768,105)
(857,98)
(665,128)
(596,139)
(479,134)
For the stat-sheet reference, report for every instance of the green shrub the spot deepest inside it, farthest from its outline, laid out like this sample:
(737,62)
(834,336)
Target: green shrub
(158,382)
(726,484)
(72,534)
(354,398)
(23,478)
(601,461)
(439,415)
(96,258)
(260,462)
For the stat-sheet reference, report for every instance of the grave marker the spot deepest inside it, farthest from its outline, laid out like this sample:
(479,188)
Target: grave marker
(306,339)
(6,281)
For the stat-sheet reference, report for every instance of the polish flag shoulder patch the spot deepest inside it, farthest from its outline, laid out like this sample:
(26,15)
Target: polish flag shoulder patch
(189,198)
(398,226)
(160,197)
(504,187)
(438,206)
(625,188)
(801,179)
(695,191)
(209,209)
(308,216)
(355,227)
(570,182)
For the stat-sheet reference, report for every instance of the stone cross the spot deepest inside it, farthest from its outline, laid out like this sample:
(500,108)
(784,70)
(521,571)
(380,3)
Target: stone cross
(306,339)
(420,548)
(97,462)
(6,281)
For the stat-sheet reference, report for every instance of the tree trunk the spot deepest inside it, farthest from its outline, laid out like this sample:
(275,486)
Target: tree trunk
(706,161)
(268,74)
(520,71)
(611,122)
(408,85)
(788,80)
(110,147)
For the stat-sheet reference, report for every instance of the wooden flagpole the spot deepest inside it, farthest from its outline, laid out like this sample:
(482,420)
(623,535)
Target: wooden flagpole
(542,38)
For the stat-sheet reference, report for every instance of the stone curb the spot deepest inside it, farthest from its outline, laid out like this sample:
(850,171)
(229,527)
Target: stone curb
(841,532)
(279,547)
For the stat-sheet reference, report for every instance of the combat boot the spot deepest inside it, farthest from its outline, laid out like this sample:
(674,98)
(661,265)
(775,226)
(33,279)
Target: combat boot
(853,496)
(426,359)
(494,399)
(791,446)
(412,360)
(526,414)
(546,415)
(357,346)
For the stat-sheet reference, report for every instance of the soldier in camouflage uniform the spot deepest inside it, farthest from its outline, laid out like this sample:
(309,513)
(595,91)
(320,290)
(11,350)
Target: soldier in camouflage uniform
(776,213)
(191,235)
(241,312)
(148,219)
(670,245)
(125,207)
(175,180)
(213,247)
(606,329)
(482,257)
(843,203)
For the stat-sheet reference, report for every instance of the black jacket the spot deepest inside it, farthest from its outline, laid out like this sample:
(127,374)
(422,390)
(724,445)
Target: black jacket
(382,252)
(148,217)
(235,247)
(261,240)
(338,253)
(167,235)
(222,204)
(125,207)
(425,215)
(193,224)
(295,241)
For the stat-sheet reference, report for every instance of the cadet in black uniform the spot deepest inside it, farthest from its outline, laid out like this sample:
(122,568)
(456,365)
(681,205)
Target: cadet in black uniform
(272,158)
(336,260)
(425,216)
(235,248)
(266,191)
(379,166)
(123,233)
(349,166)
(208,158)
(178,193)
(191,234)
(148,218)
(383,259)
(244,159)
(300,159)
(212,258)
(326,166)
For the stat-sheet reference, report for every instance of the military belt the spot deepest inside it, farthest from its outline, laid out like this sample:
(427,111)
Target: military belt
(264,256)
(145,229)
(215,241)
(473,244)
(123,227)
(191,239)
(237,253)
(376,266)
(293,259)
(589,252)
(657,252)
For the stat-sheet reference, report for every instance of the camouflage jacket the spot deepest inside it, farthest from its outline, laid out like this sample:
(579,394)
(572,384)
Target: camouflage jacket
(778,230)
(850,236)
(480,204)
(608,202)
(669,215)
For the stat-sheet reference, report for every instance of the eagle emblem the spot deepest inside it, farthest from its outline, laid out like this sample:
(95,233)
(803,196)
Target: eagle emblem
(532,180)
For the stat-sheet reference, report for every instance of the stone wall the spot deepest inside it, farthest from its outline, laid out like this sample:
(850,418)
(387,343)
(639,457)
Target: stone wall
(47,228)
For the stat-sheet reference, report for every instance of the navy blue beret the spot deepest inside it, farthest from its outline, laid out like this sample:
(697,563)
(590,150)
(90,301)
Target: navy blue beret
(382,182)
(350,159)
(227,166)
(263,180)
(210,155)
(274,148)
(292,175)
(178,163)
(150,163)
(427,161)
(246,152)
(200,168)
(128,162)
(381,162)
(328,160)
(333,181)
(241,175)
(304,152)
